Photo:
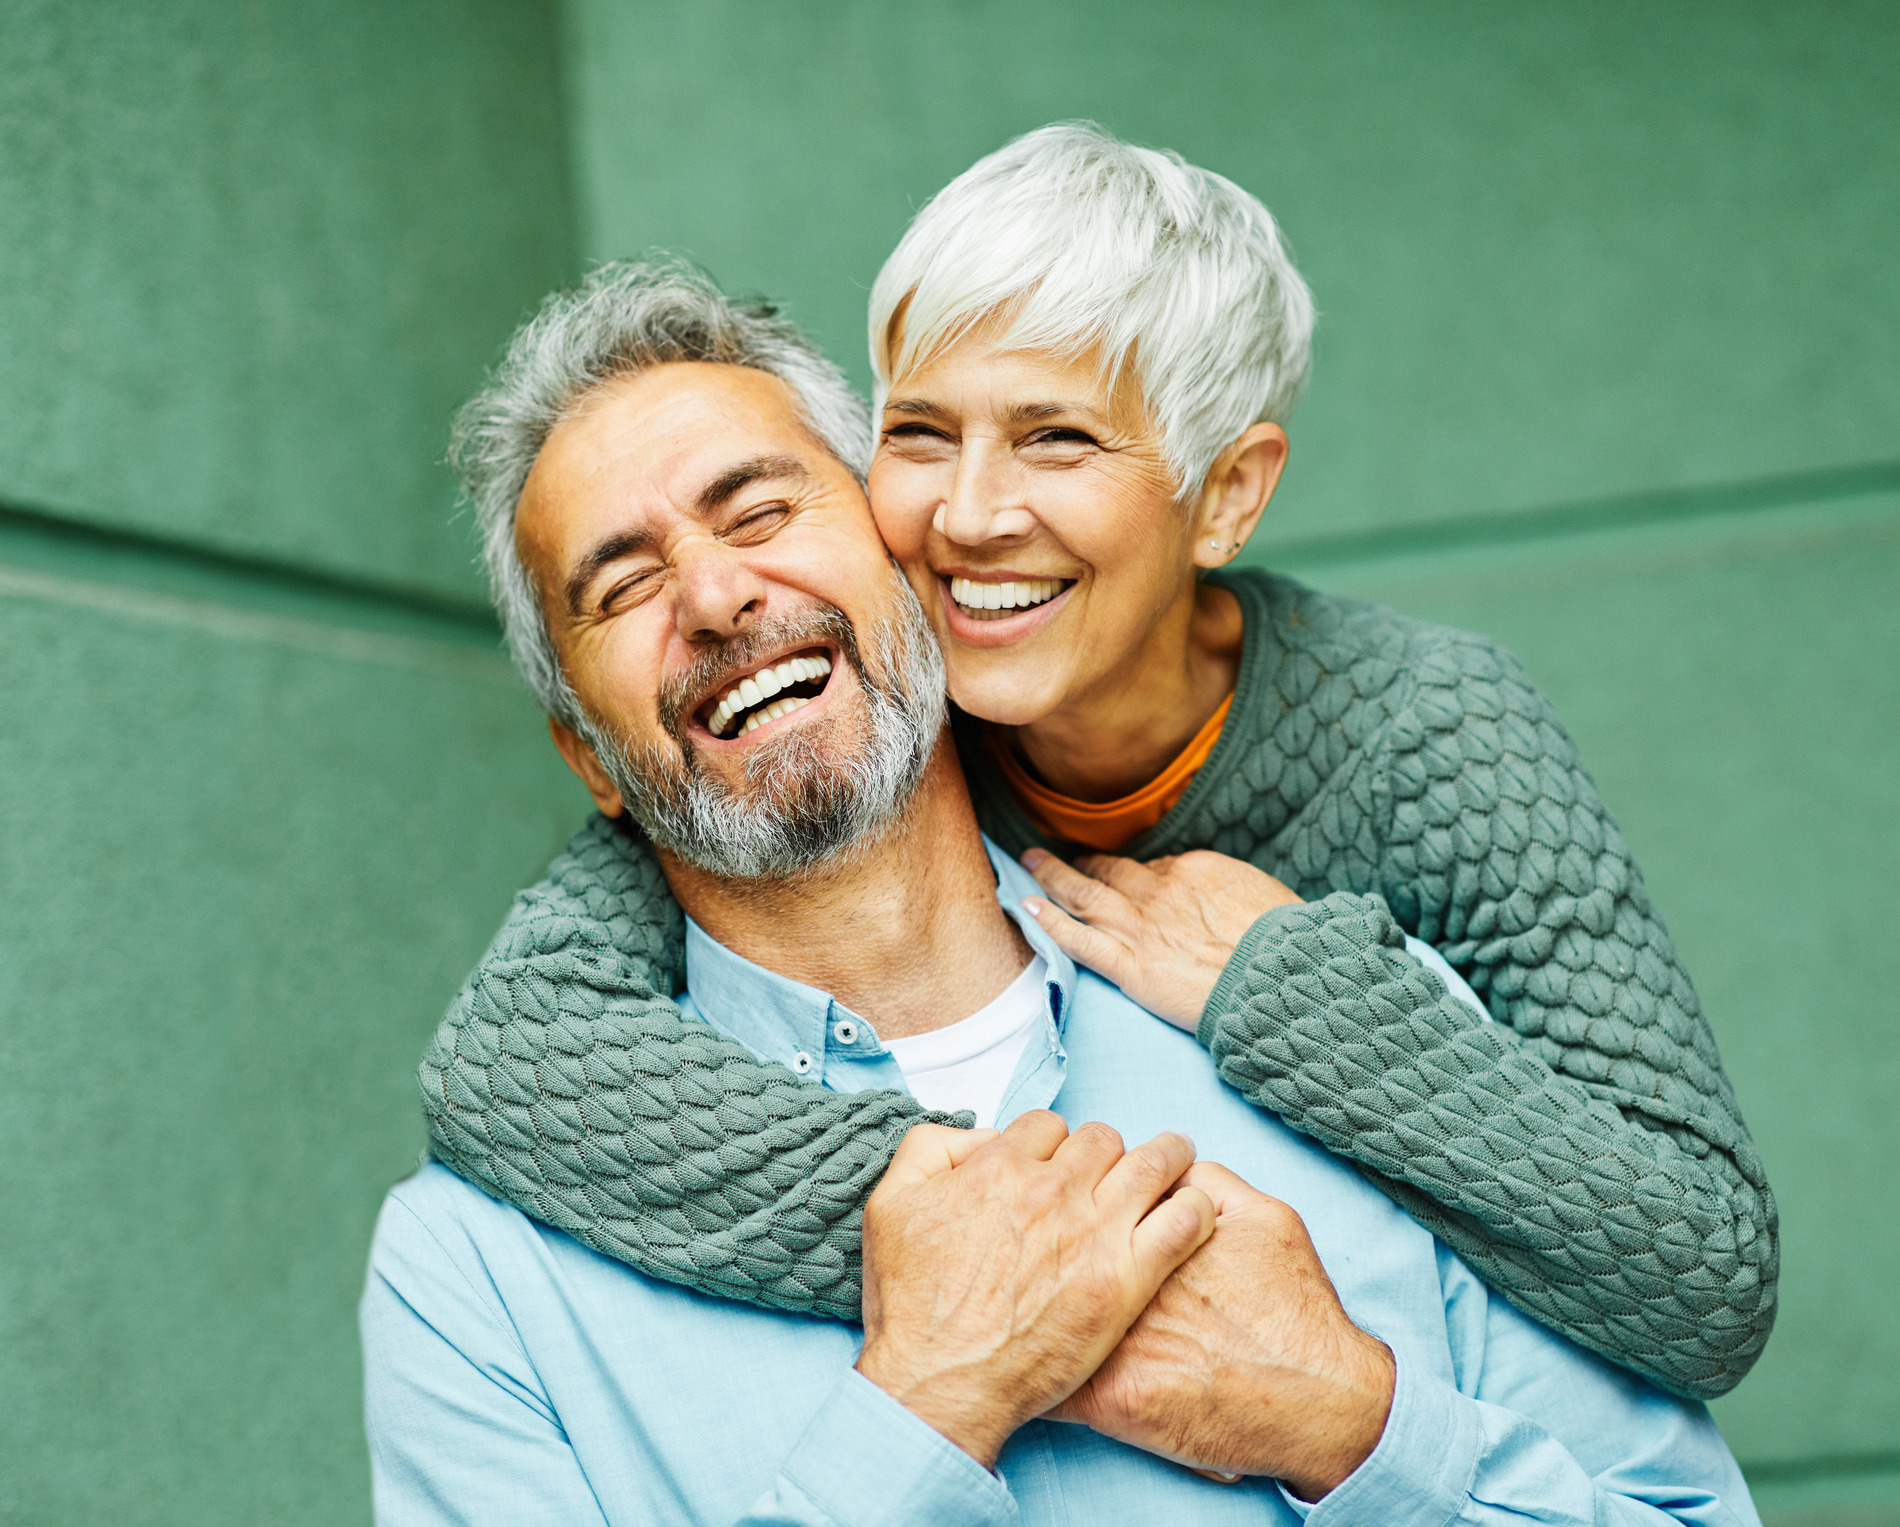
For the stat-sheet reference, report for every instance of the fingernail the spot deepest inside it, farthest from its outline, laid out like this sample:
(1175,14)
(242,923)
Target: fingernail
(1034,856)
(1032,906)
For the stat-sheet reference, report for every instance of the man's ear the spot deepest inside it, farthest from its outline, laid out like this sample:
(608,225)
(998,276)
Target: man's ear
(580,758)
(1235,495)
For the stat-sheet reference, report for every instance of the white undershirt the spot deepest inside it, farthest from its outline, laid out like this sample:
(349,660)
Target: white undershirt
(969,1064)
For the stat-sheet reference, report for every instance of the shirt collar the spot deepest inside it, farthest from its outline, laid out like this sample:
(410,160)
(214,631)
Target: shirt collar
(797,1025)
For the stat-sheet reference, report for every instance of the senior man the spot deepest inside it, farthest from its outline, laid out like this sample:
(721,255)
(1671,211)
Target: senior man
(687,526)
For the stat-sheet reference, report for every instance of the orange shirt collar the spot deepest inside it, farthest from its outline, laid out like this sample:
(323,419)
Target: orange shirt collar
(1107,825)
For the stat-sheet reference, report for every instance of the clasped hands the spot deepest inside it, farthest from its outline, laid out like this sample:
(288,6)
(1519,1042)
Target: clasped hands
(1038,1272)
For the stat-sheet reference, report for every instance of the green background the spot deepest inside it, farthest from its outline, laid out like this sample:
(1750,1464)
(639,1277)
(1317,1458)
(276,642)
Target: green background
(1606,368)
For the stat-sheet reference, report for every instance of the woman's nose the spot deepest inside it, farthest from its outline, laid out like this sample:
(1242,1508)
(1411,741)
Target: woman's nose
(988,498)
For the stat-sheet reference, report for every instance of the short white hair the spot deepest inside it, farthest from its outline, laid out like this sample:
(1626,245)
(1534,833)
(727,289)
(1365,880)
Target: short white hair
(624,318)
(1074,239)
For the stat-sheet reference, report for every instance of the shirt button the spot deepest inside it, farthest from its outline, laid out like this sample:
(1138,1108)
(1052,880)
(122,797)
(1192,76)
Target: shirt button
(845,1031)
(801,1063)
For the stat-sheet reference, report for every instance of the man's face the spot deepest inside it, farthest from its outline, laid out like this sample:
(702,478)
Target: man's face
(754,673)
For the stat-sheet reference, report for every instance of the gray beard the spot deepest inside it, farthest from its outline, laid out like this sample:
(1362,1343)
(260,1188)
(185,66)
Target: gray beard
(802,804)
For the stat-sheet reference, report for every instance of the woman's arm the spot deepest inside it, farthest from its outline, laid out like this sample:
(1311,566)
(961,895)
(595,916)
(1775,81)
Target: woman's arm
(565,1081)
(1584,1153)
(1498,850)
(1586,1216)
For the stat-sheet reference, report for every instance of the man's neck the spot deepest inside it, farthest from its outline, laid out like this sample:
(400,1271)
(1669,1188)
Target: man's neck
(907,932)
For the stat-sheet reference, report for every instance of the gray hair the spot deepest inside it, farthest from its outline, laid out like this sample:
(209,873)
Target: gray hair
(1077,239)
(623,319)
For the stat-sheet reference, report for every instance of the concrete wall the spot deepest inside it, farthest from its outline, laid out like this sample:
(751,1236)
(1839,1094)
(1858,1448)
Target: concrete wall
(261,807)
(1605,369)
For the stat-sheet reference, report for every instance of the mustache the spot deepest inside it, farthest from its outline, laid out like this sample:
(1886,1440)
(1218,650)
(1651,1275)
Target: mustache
(707,673)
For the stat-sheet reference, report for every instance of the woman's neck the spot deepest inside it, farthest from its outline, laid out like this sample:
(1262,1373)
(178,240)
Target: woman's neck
(1114,739)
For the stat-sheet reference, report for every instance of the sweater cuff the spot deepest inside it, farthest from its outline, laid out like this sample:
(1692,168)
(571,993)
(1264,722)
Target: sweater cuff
(1260,943)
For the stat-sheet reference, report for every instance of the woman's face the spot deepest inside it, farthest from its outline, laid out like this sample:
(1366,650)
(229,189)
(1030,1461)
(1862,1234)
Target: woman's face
(1033,512)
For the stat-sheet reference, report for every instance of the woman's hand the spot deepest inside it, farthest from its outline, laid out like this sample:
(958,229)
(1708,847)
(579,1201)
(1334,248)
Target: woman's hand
(1161,931)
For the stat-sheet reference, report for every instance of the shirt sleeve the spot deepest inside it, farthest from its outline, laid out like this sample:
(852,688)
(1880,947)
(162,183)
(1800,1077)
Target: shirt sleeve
(1534,1429)
(460,1431)
(865,1461)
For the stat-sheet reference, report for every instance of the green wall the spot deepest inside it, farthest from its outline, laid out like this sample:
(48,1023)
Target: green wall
(1605,369)
(253,255)
(266,782)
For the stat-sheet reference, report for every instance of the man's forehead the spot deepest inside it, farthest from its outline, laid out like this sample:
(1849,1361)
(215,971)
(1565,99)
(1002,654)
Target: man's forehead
(650,447)
(676,426)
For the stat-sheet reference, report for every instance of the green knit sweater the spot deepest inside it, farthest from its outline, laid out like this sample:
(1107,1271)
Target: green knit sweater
(1583,1153)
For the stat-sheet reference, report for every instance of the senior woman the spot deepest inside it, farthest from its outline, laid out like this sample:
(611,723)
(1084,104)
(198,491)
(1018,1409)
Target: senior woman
(1085,353)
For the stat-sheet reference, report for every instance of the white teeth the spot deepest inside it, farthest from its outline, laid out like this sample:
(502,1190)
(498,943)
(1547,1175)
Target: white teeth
(773,711)
(761,686)
(1008,595)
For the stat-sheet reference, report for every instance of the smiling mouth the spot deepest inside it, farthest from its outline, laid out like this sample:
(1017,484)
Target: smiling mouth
(775,690)
(999,601)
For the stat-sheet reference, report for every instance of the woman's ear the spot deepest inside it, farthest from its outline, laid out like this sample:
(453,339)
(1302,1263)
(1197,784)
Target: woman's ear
(580,758)
(1235,494)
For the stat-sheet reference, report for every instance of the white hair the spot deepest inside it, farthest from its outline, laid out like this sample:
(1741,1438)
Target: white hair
(623,319)
(1073,239)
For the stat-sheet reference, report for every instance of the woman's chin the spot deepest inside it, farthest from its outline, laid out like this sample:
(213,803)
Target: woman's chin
(1003,698)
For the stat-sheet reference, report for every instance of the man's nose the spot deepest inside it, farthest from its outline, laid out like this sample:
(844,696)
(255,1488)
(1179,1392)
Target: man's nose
(715,594)
(988,497)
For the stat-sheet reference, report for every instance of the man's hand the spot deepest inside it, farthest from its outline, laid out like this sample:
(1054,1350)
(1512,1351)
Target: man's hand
(1245,1363)
(1001,1269)
(1161,931)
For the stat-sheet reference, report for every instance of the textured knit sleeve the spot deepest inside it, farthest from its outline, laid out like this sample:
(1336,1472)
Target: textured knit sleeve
(1584,1153)
(565,1081)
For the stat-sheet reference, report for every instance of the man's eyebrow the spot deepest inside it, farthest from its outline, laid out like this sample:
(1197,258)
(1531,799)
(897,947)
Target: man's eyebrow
(622,543)
(783,467)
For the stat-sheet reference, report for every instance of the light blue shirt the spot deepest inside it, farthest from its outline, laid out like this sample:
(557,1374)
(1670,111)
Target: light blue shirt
(514,1377)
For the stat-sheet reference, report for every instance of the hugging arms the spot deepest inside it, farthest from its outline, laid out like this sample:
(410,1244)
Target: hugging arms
(1583,1152)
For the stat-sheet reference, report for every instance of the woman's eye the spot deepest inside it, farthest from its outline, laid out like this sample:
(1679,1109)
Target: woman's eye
(1062,436)
(913,432)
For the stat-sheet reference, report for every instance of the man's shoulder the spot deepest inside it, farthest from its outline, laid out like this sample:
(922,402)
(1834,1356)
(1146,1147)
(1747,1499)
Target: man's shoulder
(447,1246)
(432,1215)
